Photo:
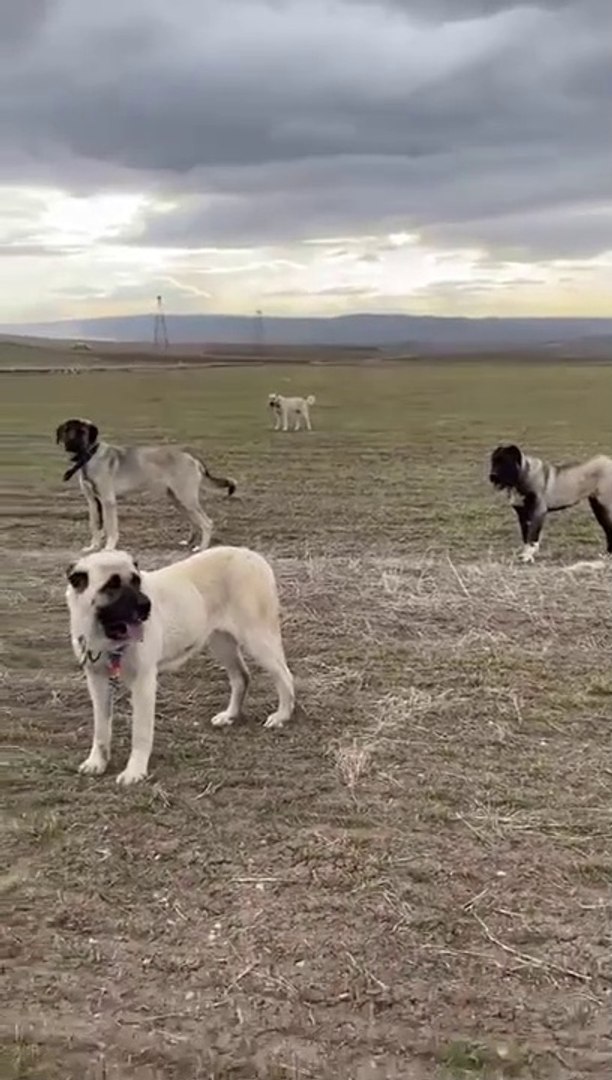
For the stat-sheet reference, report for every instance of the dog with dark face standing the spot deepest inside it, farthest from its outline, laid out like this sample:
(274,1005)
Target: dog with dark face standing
(538,488)
(133,626)
(107,471)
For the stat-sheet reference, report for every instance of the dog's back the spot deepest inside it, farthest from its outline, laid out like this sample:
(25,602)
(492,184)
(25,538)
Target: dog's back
(229,581)
(572,483)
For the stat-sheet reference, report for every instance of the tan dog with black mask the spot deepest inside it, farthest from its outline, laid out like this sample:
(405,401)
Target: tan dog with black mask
(134,625)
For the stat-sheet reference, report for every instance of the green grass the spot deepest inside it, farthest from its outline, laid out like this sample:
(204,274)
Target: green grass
(398,455)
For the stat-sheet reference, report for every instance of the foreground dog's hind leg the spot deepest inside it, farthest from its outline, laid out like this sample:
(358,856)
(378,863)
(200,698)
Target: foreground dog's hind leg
(603,516)
(225,650)
(100,693)
(268,651)
(143,691)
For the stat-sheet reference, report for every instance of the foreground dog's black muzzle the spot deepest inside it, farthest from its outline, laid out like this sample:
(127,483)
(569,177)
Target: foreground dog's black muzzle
(122,619)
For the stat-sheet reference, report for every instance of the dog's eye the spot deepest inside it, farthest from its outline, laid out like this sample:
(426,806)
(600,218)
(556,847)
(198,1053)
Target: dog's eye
(78,579)
(113,584)
(135,580)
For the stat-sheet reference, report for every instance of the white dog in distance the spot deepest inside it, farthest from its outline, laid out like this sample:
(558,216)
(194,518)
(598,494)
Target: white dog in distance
(133,626)
(291,410)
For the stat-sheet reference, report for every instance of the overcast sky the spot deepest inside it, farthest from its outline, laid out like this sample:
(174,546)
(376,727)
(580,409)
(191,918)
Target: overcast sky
(305,156)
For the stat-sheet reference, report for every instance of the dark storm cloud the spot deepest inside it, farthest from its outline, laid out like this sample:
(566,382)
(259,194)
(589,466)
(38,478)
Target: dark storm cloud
(21,19)
(290,118)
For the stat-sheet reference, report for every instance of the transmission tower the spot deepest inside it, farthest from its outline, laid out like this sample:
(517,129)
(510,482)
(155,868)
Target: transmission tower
(260,339)
(160,330)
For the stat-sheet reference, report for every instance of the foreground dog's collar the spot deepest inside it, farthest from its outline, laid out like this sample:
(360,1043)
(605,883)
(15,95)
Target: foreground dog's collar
(81,462)
(113,659)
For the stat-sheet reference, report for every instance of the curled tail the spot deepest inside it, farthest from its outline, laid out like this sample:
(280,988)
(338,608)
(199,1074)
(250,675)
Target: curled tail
(225,482)
(311,399)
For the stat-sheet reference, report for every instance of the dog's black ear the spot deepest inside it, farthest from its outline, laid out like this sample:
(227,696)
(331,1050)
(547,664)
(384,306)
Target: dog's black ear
(79,579)
(513,452)
(60,432)
(92,433)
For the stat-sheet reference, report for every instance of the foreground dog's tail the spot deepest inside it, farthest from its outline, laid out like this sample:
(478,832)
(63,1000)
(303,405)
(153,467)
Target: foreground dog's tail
(311,400)
(224,482)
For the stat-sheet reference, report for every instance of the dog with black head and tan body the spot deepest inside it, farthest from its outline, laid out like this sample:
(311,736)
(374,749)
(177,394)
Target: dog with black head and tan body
(538,488)
(106,471)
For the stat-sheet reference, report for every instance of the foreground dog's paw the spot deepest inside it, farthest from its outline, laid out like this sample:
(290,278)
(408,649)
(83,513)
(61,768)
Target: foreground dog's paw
(276,720)
(131,775)
(89,548)
(94,765)
(223,719)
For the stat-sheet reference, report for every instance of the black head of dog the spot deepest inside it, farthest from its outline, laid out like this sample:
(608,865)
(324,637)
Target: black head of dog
(114,590)
(506,466)
(78,437)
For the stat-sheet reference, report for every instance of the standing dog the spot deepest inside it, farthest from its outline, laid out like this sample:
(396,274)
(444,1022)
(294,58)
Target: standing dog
(541,488)
(290,410)
(106,471)
(134,626)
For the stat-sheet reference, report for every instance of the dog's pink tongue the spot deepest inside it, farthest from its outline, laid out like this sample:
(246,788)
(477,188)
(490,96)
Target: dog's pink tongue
(135,631)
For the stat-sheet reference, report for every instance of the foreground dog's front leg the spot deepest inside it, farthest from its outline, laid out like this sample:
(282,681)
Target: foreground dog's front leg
(100,693)
(143,723)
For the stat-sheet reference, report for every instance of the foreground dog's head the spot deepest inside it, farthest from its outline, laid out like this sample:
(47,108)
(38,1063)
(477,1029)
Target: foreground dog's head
(77,436)
(506,467)
(274,401)
(105,597)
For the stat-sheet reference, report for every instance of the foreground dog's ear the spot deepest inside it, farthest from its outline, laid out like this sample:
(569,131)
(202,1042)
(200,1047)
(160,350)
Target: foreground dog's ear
(79,579)
(92,433)
(60,432)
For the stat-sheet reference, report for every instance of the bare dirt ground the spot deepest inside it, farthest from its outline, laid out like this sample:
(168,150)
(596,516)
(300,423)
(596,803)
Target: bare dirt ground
(413,879)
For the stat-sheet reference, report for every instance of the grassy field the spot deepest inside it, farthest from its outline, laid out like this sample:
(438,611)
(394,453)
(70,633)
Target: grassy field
(413,880)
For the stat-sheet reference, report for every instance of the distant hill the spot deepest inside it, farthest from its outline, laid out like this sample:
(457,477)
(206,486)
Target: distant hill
(404,333)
